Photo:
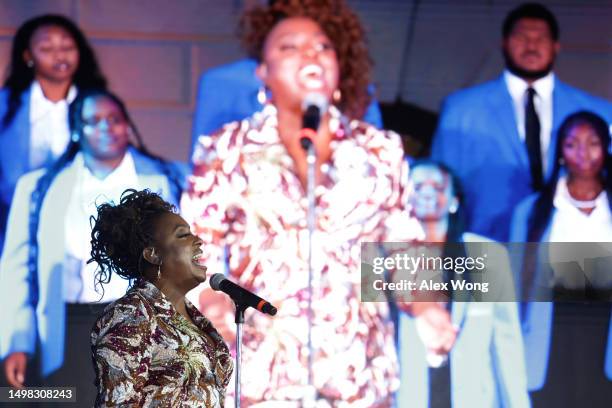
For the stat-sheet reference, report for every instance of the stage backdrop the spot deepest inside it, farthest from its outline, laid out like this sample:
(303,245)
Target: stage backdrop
(154,50)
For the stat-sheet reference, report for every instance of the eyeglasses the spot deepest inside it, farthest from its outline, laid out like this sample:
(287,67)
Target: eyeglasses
(111,120)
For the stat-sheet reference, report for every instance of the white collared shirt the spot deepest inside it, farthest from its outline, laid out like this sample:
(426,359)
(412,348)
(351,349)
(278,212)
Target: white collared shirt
(88,192)
(543,103)
(49,131)
(569,224)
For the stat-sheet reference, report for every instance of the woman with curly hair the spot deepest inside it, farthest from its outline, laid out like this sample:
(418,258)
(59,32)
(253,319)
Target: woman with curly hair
(47,287)
(51,61)
(247,202)
(152,347)
(232,92)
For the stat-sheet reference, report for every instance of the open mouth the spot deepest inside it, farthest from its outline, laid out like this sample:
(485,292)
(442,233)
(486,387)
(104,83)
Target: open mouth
(311,76)
(198,260)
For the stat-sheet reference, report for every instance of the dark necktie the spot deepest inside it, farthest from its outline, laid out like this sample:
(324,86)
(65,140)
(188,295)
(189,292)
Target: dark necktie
(440,395)
(532,140)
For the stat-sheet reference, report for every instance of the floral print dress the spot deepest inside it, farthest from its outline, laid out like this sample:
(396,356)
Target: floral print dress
(148,355)
(247,204)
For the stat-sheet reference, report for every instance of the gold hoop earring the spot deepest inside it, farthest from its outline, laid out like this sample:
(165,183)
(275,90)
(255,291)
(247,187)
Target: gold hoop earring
(262,96)
(337,96)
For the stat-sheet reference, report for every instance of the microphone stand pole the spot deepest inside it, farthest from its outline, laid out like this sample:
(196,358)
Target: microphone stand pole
(311,159)
(239,320)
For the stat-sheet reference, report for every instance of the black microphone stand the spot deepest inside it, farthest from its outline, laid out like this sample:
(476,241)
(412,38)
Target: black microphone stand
(239,320)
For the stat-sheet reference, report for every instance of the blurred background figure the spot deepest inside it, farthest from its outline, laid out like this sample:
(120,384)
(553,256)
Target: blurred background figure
(51,61)
(574,206)
(247,202)
(46,285)
(459,353)
(499,137)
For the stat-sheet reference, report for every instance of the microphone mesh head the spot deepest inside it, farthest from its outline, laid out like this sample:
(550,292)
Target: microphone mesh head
(215,281)
(315,99)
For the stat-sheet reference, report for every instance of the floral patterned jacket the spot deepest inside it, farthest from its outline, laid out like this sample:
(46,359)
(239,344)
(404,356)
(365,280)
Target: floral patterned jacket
(247,204)
(148,355)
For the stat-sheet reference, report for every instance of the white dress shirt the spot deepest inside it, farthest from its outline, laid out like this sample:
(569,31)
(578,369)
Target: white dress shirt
(569,224)
(49,132)
(543,103)
(88,192)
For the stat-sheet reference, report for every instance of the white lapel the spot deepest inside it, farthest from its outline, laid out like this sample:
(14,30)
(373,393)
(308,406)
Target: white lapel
(51,237)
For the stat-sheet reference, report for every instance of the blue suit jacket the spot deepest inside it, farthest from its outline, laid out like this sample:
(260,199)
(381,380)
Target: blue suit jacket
(538,316)
(23,324)
(229,93)
(477,138)
(14,153)
(487,359)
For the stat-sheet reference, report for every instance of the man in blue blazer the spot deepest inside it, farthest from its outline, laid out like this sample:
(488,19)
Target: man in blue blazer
(232,92)
(482,137)
(483,131)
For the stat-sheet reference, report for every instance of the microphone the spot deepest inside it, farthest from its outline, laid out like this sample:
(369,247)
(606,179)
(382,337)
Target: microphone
(240,295)
(313,105)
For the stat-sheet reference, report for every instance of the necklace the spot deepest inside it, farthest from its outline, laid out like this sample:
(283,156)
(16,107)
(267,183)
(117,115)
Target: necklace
(582,204)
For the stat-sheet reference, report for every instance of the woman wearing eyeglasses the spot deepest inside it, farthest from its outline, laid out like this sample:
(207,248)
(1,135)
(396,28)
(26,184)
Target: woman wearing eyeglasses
(45,283)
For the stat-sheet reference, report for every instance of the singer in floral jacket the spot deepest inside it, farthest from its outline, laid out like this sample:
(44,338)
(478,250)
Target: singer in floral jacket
(173,362)
(152,347)
(247,202)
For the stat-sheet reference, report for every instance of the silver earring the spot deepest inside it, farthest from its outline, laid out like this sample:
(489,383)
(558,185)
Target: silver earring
(159,271)
(30,63)
(74,136)
(453,208)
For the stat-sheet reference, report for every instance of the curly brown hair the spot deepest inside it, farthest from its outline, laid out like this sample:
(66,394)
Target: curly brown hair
(121,232)
(339,23)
